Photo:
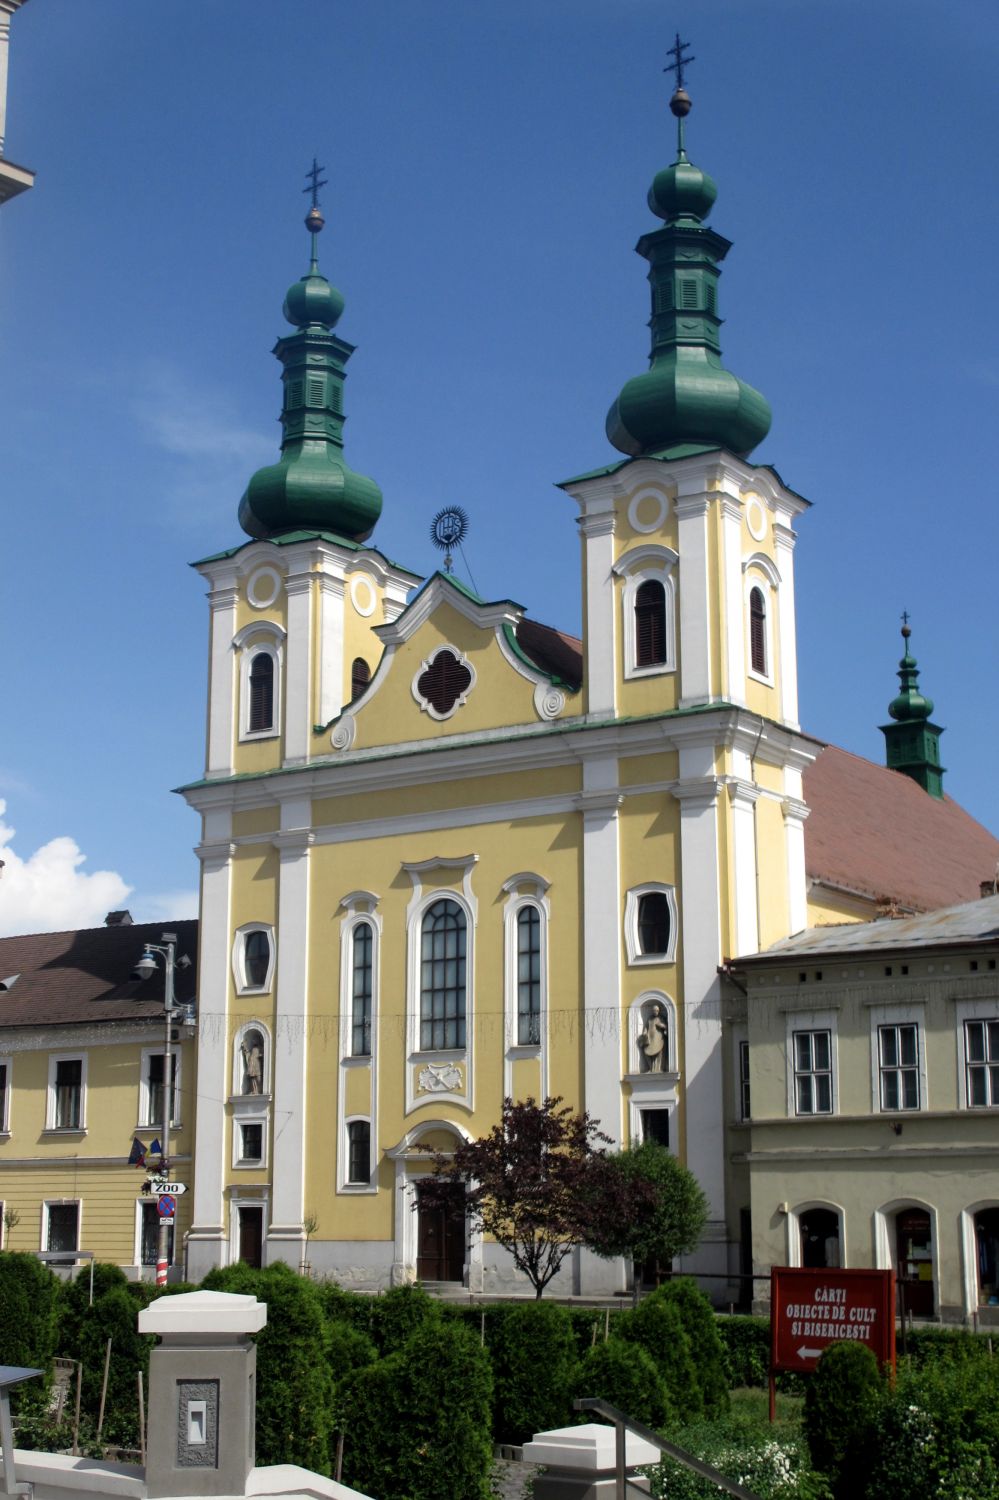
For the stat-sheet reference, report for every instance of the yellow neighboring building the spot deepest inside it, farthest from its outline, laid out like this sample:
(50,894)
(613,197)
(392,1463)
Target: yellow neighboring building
(82,1048)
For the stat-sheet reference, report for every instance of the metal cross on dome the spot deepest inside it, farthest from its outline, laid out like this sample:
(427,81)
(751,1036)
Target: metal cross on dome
(312,176)
(679,61)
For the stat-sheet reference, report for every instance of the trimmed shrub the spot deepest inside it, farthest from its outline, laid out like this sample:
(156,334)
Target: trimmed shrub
(28,1307)
(625,1375)
(417,1423)
(657,1326)
(347,1349)
(746,1342)
(936,1436)
(113,1316)
(398,1313)
(930,1346)
(842,1402)
(706,1348)
(342,1306)
(534,1361)
(294,1382)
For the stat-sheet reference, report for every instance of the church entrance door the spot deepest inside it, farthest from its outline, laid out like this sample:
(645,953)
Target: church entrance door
(251,1235)
(440,1250)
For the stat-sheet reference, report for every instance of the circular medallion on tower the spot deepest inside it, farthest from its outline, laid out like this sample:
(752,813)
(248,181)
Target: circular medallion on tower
(263,587)
(362,595)
(756,518)
(647,511)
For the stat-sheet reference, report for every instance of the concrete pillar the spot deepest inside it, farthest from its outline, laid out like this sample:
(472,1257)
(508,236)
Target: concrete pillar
(580,1462)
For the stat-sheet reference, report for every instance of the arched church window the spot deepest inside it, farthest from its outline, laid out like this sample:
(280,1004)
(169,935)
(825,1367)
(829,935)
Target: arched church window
(360,962)
(653,923)
(442,976)
(758,632)
(650,624)
(360,676)
(261,714)
(528,976)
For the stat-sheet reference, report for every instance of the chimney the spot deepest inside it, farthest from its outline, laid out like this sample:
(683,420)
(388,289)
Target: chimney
(118,919)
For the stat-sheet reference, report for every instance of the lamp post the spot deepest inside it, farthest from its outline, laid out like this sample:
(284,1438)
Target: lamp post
(145,967)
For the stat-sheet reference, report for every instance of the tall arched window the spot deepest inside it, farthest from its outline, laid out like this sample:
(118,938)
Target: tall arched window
(650,624)
(261,692)
(653,923)
(360,676)
(528,976)
(360,963)
(758,631)
(442,977)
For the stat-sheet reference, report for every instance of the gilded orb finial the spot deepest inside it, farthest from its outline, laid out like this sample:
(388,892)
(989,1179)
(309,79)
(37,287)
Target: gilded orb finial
(314,220)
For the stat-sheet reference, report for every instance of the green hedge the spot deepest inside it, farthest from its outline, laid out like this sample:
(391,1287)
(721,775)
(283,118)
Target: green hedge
(746,1342)
(625,1375)
(937,1437)
(28,1303)
(534,1362)
(842,1403)
(658,1327)
(707,1350)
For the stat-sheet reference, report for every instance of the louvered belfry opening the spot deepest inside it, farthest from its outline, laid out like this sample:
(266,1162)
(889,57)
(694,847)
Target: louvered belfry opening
(650,624)
(360,676)
(261,692)
(758,632)
(444,681)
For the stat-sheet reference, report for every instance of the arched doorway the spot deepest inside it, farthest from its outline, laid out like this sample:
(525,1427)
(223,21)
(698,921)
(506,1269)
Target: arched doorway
(440,1237)
(987,1256)
(914,1260)
(819,1228)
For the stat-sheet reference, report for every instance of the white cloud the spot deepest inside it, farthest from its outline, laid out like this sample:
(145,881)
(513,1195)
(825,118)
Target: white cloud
(165,906)
(48,892)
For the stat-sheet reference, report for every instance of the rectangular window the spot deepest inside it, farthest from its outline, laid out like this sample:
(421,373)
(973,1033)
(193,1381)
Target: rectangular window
(3,1097)
(812,1072)
(68,1112)
(981,1051)
(155,1091)
(359,1151)
(898,1060)
(251,1142)
(528,976)
(149,1240)
(744,1110)
(655,1126)
(63,1228)
(362,988)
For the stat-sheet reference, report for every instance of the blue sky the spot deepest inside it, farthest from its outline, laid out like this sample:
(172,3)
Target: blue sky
(487,164)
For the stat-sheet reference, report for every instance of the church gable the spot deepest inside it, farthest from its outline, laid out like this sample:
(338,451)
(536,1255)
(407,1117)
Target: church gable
(456,664)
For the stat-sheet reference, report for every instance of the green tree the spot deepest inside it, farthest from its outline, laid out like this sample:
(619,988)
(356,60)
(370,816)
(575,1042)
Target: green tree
(625,1375)
(28,1303)
(645,1204)
(706,1347)
(534,1364)
(656,1325)
(842,1402)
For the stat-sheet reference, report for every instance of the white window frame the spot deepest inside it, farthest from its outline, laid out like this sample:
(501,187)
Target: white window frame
(910,1015)
(445,1054)
(761,573)
(344,1184)
(650,563)
(50,1102)
(632,902)
(237,1062)
(801,1211)
(6,1061)
(243,1117)
(424,703)
(259,636)
(145,1123)
(47,1205)
(812,1020)
(243,987)
(982,1012)
(360,907)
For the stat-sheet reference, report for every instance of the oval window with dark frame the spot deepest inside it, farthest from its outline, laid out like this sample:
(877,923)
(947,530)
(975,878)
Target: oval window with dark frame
(653,924)
(444,681)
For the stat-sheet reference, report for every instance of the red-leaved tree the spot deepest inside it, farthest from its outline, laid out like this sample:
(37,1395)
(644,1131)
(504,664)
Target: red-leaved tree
(528,1183)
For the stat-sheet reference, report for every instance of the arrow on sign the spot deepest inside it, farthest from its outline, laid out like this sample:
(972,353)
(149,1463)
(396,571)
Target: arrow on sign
(804,1353)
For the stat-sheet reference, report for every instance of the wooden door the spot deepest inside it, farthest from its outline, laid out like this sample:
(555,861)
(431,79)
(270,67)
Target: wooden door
(251,1235)
(914,1253)
(440,1250)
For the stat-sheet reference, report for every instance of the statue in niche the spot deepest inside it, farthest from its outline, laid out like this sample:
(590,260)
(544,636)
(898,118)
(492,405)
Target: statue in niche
(653,1040)
(253,1063)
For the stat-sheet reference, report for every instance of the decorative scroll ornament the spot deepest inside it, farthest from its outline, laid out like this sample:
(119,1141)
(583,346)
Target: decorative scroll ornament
(548,701)
(344,732)
(440,1078)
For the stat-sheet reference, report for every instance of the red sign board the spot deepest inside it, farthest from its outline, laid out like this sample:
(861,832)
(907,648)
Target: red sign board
(813,1308)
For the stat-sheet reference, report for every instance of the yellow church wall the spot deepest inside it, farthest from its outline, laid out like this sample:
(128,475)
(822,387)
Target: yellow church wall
(827,909)
(256,820)
(249,614)
(647,510)
(441,796)
(640,770)
(500,696)
(358,637)
(255,870)
(357,1089)
(251,757)
(654,694)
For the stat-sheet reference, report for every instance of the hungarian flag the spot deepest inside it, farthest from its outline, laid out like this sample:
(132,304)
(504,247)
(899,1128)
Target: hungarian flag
(137,1155)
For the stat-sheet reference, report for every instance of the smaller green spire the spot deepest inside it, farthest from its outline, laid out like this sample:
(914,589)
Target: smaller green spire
(912,743)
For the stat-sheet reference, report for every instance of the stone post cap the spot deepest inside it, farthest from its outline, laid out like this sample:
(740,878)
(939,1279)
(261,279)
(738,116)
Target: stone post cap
(589,1448)
(203,1313)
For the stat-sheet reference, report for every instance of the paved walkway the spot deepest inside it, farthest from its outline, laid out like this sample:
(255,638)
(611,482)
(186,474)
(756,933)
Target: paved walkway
(513,1481)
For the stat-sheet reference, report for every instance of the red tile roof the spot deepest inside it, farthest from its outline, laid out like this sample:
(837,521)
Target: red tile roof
(65,978)
(876,832)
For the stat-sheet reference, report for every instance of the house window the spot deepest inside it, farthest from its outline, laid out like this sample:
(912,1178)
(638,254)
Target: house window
(251,1142)
(361,971)
(744,1100)
(261,716)
(359,1151)
(68,1103)
(650,624)
(653,924)
(981,1051)
(63,1229)
(812,1072)
(154,1091)
(758,632)
(442,977)
(4,1124)
(149,1237)
(528,976)
(898,1057)
(360,676)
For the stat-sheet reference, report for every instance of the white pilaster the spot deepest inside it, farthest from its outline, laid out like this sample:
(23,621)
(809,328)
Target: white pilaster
(733,687)
(695,612)
(795,813)
(601,1019)
(743,796)
(601,623)
(331,662)
(222,598)
(784,548)
(298,672)
(207,1240)
(285,1233)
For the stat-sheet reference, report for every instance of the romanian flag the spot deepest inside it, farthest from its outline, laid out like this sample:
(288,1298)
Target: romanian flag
(137,1155)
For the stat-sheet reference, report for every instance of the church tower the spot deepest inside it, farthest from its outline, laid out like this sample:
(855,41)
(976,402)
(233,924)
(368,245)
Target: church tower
(912,742)
(451,854)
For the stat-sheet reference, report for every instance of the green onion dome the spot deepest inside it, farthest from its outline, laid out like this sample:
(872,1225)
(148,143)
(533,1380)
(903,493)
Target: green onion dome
(682,191)
(313,300)
(910,702)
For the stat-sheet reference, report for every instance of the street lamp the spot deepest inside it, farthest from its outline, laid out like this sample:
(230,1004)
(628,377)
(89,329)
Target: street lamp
(147,966)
